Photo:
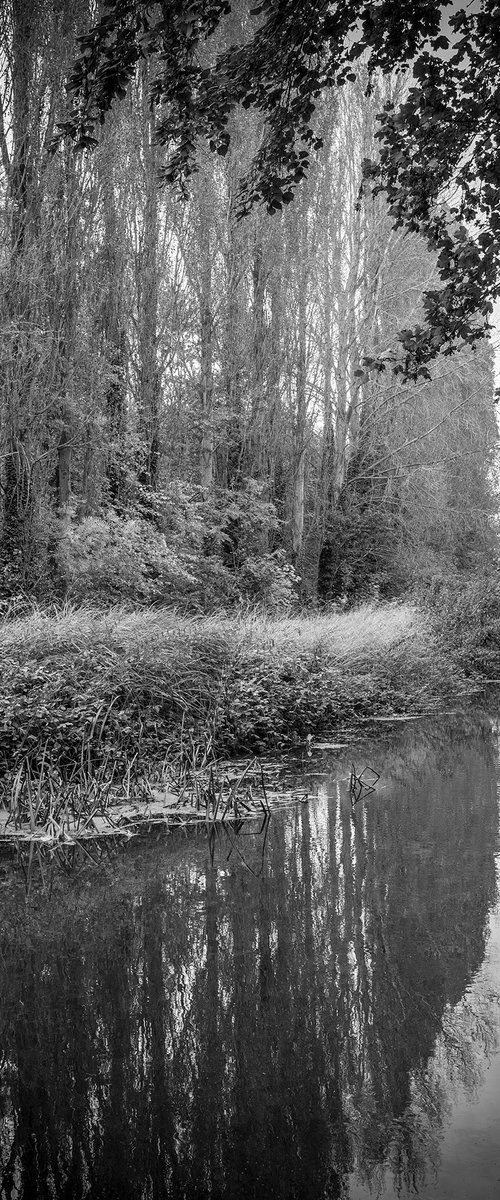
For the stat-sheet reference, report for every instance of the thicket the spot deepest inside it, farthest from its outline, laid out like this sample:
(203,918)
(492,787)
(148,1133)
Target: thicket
(465,614)
(181,547)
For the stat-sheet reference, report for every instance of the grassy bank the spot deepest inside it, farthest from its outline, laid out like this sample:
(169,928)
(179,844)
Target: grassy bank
(82,687)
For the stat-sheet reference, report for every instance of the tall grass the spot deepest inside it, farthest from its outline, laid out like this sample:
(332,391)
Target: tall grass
(345,635)
(81,685)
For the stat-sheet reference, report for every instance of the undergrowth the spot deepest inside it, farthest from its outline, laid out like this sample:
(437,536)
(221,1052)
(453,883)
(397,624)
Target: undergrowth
(81,686)
(466,621)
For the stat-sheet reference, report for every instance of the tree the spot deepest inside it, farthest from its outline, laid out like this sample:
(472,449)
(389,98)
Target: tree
(147,301)
(191,400)
(38,280)
(446,133)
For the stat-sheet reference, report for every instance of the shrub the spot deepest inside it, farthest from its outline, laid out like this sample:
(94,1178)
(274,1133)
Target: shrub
(78,682)
(203,552)
(466,617)
(110,558)
(269,580)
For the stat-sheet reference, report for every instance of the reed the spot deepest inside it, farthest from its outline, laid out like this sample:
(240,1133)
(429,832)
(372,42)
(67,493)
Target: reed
(83,694)
(53,811)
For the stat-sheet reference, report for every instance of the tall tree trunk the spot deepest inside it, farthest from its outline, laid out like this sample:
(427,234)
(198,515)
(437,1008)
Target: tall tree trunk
(347,339)
(258,416)
(67,318)
(17,493)
(206,347)
(111,317)
(328,443)
(274,368)
(149,377)
(299,450)
(233,351)
(24,20)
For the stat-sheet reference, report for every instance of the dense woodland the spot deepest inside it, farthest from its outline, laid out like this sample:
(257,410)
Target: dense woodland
(188,413)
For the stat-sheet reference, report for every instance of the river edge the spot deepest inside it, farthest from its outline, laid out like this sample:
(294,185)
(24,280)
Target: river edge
(94,705)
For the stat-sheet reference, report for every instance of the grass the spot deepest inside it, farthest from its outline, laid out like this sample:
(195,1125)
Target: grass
(350,635)
(346,637)
(89,693)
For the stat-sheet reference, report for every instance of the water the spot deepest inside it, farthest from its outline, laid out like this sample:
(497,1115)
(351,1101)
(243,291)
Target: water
(314,1018)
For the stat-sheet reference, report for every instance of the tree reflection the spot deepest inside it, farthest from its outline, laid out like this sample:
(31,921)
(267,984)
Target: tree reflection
(187,1029)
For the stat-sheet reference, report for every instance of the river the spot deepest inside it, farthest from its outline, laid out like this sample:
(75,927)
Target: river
(308,1013)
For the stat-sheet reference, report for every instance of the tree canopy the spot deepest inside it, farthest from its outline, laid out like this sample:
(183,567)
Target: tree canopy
(439,150)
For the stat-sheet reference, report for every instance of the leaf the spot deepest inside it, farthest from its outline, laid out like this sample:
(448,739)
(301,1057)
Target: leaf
(441,43)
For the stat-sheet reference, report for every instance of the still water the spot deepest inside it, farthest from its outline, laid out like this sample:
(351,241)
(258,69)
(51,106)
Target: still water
(313,1017)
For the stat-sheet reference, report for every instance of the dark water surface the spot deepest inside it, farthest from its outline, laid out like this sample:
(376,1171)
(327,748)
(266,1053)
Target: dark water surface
(325,1024)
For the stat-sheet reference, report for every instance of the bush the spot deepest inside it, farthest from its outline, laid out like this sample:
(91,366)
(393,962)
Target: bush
(203,552)
(78,682)
(275,702)
(357,560)
(466,617)
(110,558)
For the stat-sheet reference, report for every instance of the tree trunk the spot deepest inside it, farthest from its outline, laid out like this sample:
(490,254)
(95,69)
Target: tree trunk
(112,320)
(206,348)
(328,441)
(234,448)
(258,417)
(15,550)
(274,370)
(299,433)
(149,378)
(67,326)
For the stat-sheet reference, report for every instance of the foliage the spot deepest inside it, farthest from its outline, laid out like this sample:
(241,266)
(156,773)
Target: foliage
(83,683)
(466,617)
(108,558)
(447,131)
(81,687)
(202,551)
(359,557)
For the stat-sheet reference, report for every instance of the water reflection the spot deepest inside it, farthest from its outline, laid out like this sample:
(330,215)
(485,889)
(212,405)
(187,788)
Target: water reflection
(171,1027)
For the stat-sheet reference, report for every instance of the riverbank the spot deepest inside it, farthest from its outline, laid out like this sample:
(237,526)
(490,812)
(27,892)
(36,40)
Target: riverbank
(85,688)
(108,713)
